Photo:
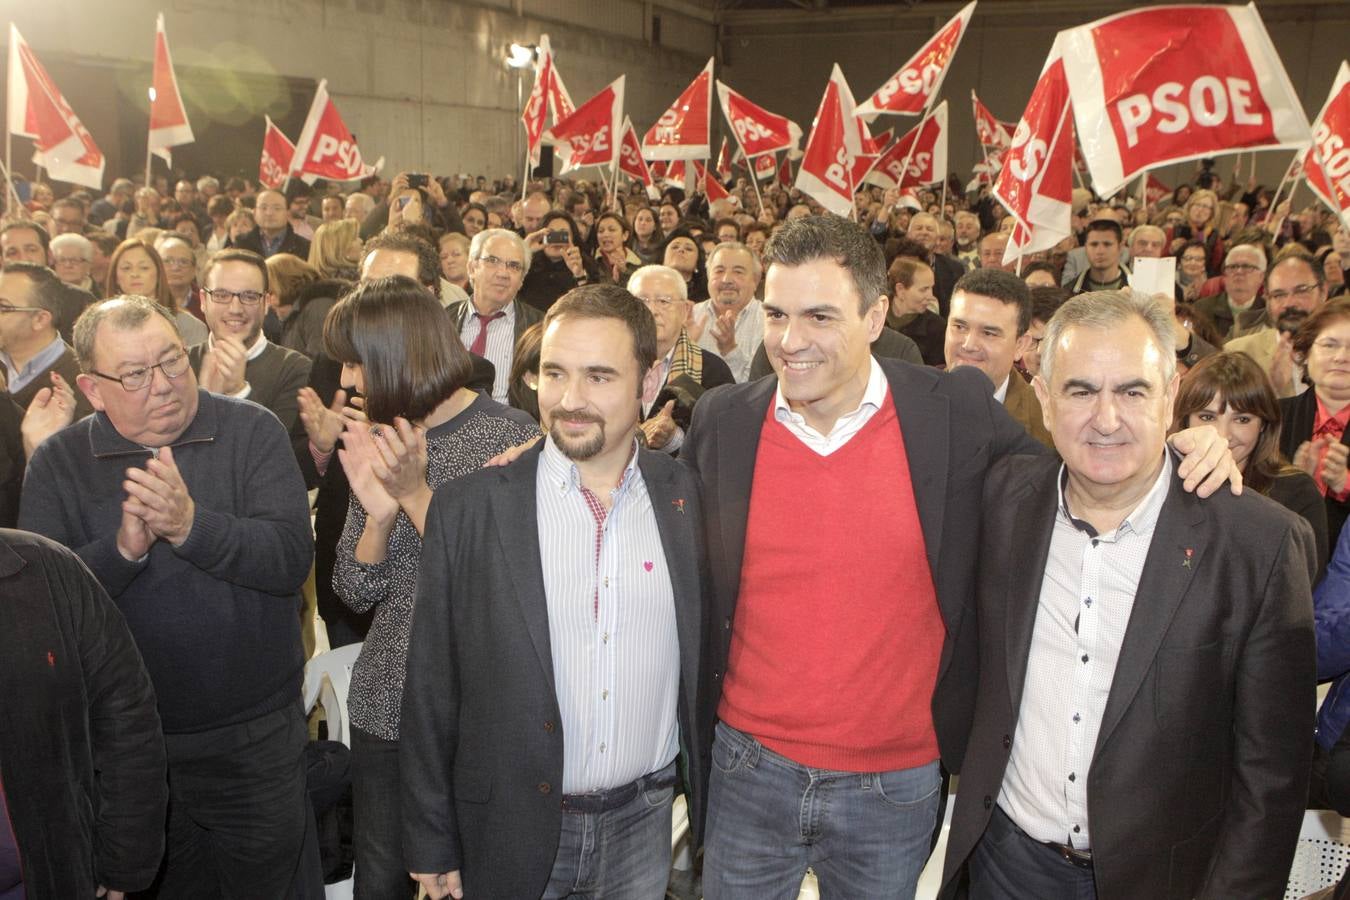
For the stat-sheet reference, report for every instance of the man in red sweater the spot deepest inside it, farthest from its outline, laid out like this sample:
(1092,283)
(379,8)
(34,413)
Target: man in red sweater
(840,498)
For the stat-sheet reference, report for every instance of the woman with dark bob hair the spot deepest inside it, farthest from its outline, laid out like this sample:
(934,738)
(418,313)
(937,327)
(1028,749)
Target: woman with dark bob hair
(425,428)
(1231,392)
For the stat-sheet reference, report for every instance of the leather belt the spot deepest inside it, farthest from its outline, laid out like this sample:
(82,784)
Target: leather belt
(1080,858)
(604,801)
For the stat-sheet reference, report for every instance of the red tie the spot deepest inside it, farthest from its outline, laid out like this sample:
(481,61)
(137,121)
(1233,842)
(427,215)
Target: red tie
(479,345)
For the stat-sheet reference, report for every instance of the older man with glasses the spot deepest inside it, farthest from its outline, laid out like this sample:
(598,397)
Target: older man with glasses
(190,510)
(73,260)
(1294,289)
(1238,310)
(493,318)
(236,359)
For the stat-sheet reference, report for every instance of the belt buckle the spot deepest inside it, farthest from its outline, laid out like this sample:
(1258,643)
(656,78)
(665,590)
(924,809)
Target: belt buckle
(1080,858)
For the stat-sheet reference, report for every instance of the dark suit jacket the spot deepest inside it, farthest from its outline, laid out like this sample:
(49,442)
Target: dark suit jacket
(526,315)
(1200,770)
(481,748)
(292,243)
(953,430)
(1299,415)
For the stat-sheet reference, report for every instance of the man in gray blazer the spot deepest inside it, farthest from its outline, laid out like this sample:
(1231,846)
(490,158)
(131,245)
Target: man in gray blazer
(550,702)
(492,319)
(1144,719)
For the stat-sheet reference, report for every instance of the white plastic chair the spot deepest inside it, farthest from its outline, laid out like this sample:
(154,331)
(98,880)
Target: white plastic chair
(1322,856)
(328,678)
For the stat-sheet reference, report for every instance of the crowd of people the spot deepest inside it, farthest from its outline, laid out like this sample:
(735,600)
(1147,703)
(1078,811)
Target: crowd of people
(626,497)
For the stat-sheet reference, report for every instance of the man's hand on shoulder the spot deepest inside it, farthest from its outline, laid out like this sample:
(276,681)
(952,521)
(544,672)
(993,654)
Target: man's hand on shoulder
(1206,462)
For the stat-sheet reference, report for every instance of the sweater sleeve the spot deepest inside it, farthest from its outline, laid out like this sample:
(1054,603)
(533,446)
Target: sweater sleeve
(46,509)
(269,546)
(128,747)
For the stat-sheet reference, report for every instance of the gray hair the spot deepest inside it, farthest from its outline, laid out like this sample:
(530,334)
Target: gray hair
(207,181)
(1254,249)
(487,234)
(648,271)
(76,242)
(124,313)
(737,245)
(1106,310)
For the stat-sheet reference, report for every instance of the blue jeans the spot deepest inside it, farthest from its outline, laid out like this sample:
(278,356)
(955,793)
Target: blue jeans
(1007,864)
(618,854)
(866,835)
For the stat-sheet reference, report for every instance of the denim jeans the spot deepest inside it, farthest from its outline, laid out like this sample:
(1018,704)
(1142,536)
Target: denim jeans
(377,834)
(619,854)
(1007,864)
(867,835)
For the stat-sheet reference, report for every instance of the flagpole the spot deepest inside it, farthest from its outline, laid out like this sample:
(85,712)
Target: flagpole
(17,210)
(1275,200)
(12,193)
(754,182)
(942,210)
(918,133)
(147,163)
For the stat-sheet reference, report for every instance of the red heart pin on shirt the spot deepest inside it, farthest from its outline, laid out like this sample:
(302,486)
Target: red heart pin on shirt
(647,565)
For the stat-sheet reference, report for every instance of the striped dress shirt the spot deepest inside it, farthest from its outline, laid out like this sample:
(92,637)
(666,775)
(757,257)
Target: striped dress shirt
(501,345)
(1086,598)
(611,622)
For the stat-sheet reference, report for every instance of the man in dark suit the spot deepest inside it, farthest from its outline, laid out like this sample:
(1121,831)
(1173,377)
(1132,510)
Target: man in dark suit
(826,582)
(273,233)
(492,319)
(1144,721)
(551,703)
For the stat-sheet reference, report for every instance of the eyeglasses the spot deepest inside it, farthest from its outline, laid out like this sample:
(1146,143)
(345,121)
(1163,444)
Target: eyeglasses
(1302,290)
(1329,346)
(661,303)
(1244,268)
(170,263)
(8,308)
(139,379)
(515,267)
(223,297)
(70,260)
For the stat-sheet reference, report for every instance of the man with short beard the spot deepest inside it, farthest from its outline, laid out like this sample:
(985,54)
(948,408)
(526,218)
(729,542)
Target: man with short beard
(556,639)
(731,322)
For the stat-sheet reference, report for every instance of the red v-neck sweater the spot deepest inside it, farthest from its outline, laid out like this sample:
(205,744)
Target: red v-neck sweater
(837,634)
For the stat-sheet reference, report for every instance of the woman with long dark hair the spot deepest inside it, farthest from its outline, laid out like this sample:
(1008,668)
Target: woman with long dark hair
(1233,394)
(425,428)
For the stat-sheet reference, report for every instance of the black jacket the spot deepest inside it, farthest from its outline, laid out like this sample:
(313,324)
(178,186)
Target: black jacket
(81,755)
(548,279)
(292,243)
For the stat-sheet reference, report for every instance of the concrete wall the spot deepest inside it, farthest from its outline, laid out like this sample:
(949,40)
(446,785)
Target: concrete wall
(421,82)
(1000,59)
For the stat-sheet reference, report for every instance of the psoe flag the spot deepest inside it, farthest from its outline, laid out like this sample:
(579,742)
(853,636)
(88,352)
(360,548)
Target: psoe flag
(37,110)
(683,131)
(1327,165)
(169,125)
(326,148)
(277,154)
(919,157)
(912,89)
(832,150)
(1171,83)
(590,136)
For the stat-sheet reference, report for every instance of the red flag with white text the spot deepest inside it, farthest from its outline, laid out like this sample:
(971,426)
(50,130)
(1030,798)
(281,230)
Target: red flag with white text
(683,131)
(535,115)
(168,119)
(560,101)
(925,147)
(37,110)
(631,162)
(912,89)
(989,130)
(707,181)
(785,172)
(1327,163)
(757,131)
(1036,181)
(1166,84)
(326,147)
(764,166)
(832,151)
(277,154)
(590,136)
